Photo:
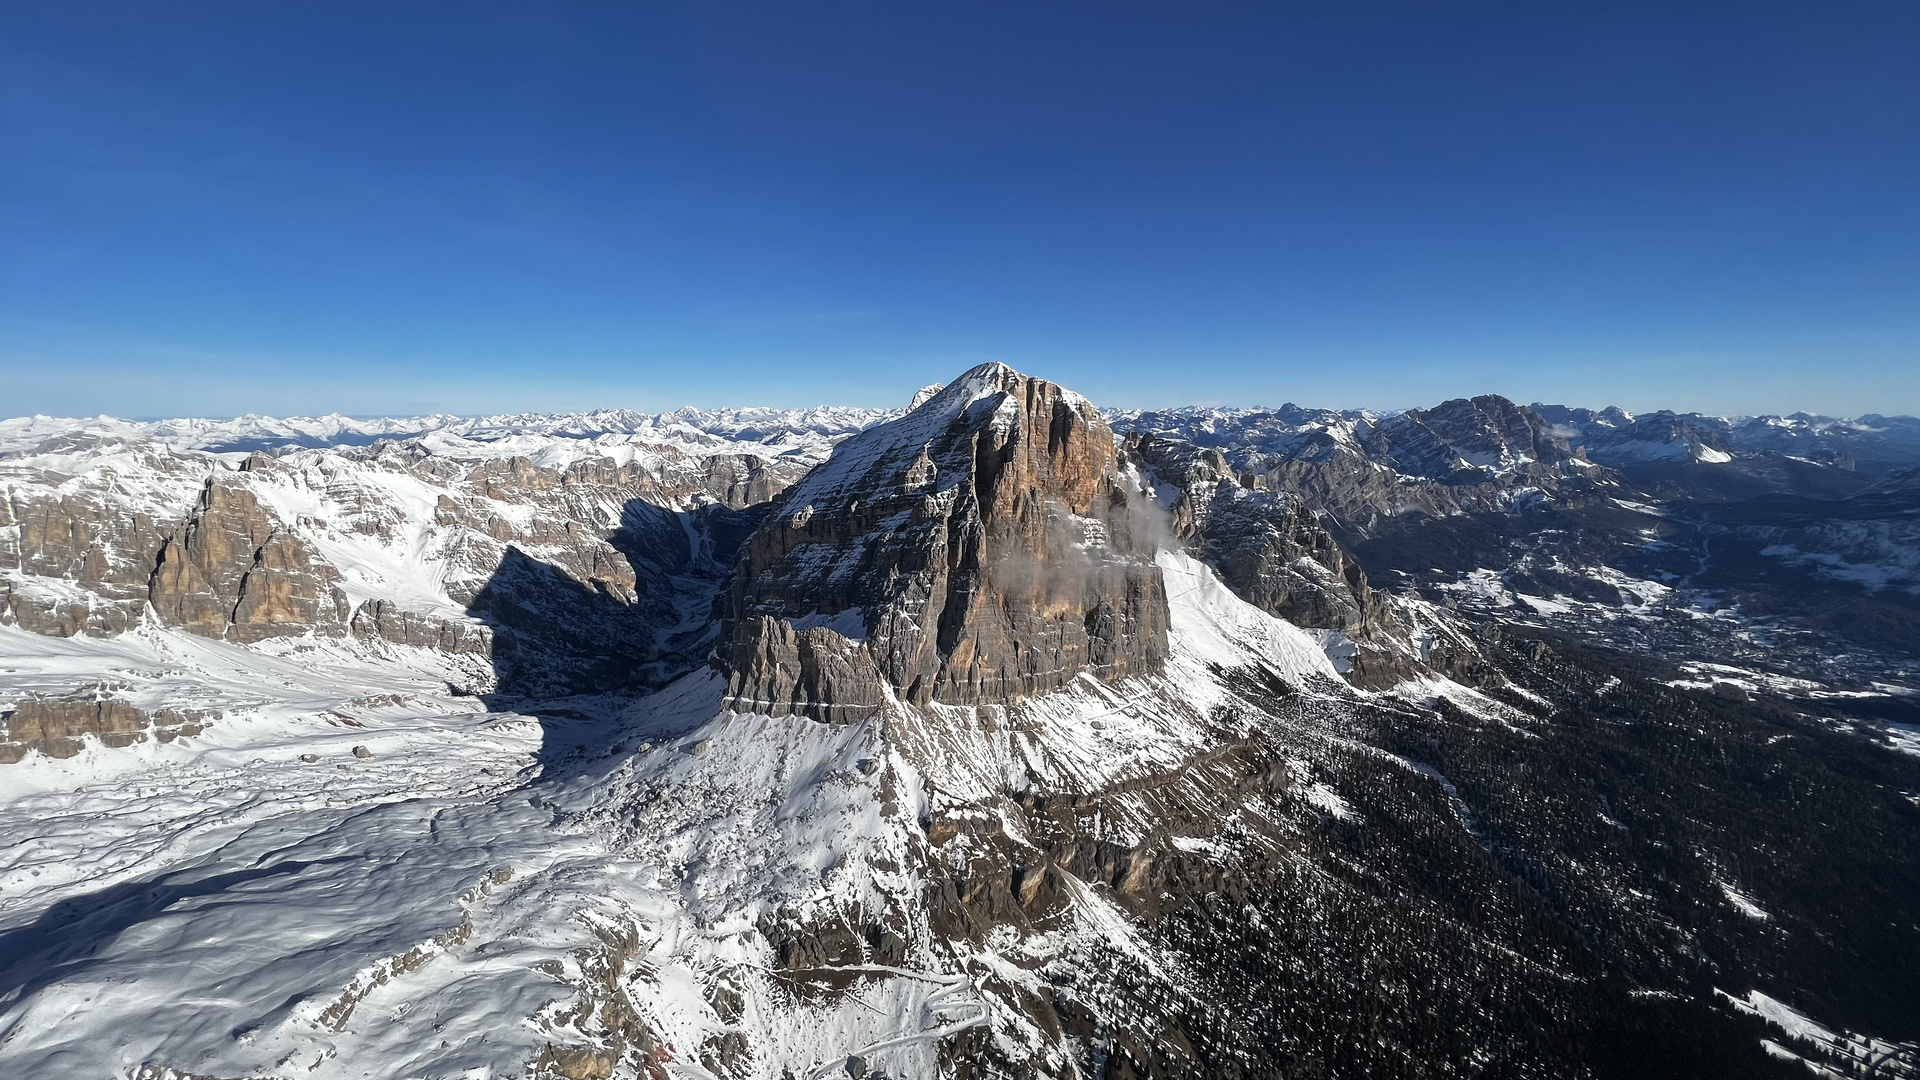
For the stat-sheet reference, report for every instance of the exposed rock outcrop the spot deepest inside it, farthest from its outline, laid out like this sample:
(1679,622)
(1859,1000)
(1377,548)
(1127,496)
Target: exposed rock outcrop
(742,480)
(234,572)
(816,671)
(81,564)
(392,623)
(1270,546)
(228,570)
(58,726)
(983,548)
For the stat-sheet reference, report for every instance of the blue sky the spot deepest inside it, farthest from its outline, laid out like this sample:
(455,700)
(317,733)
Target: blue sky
(403,207)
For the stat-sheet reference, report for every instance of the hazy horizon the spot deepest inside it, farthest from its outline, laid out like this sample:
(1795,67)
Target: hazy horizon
(901,403)
(378,210)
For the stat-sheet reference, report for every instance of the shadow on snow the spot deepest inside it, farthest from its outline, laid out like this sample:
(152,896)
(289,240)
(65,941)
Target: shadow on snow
(575,654)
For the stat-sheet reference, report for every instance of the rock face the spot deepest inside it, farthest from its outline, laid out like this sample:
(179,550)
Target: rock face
(1465,456)
(1486,435)
(228,569)
(738,481)
(234,572)
(1269,545)
(59,535)
(981,549)
(394,624)
(58,726)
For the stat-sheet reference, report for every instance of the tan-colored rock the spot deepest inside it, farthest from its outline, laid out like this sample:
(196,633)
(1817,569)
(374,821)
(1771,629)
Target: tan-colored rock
(814,672)
(284,593)
(57,726)
(181,597)
(78,541)
(980,549)
(234,572)
(390,622)
(741,480)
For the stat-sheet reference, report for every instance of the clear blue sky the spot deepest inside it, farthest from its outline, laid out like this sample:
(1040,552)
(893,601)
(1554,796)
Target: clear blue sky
(397,207)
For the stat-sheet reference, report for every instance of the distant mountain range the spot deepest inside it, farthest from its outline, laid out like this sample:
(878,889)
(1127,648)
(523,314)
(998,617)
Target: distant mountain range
(1870,444)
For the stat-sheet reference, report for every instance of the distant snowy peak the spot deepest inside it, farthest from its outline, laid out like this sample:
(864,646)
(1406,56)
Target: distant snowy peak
(1476,438)
(248,432)
(807,434)
(1870,443)
(1488,434)
(762,423)
(1251,437)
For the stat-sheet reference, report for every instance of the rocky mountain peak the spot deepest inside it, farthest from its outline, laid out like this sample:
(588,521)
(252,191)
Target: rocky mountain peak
(982,548)
(1487,434)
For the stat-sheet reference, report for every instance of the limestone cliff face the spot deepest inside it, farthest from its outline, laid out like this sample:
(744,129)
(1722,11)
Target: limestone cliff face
(227,569)
(981,549)
(58,725)
(234,572)
(67,537)
(392,623)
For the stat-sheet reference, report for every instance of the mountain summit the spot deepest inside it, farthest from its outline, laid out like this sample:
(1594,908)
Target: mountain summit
(985,547)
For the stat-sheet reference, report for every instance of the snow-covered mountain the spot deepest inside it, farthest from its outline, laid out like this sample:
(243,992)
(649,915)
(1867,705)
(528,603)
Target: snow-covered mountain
(999,736)
(776,431)
(1870,444)
(1744,541)
(389,528)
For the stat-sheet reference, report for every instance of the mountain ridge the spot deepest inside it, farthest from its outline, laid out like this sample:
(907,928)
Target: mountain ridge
(232,434)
